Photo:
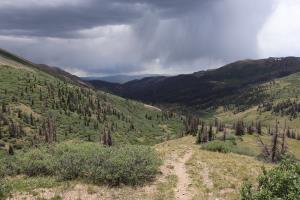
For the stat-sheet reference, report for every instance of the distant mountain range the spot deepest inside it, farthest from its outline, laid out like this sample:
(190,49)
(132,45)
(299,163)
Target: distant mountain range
(203,88)
(119,78)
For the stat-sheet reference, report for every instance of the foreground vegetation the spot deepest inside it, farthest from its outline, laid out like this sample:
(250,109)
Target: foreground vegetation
(281,182)
(212,174)
(91,162)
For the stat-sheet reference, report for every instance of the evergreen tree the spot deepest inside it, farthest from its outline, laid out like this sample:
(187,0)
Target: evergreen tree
(239,128)
(11,150)
(258,128)
(210,133)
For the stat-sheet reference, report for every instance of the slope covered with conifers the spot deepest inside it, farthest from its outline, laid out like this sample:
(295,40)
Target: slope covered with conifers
(40,104)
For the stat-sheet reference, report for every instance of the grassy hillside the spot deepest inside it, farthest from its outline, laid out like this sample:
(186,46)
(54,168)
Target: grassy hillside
(31,100)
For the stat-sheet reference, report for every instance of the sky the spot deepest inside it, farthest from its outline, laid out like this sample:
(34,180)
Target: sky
(107,37)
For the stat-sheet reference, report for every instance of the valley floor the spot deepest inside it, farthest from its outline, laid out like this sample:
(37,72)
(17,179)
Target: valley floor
(188,173)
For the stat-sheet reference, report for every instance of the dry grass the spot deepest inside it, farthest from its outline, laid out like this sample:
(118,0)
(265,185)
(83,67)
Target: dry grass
(26,109)
(7,62)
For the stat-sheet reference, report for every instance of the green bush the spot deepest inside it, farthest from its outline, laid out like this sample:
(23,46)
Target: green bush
(73,159)
(281,182)
(129,165)
(226,147)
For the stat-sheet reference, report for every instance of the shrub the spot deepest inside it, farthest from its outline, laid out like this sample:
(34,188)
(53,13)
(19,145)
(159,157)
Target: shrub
(73,159)
(129,165)
(281,182)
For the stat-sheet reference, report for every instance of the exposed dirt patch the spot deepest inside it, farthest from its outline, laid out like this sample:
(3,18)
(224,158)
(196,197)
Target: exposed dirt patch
(227,190)
(11,63)
(152,107)
(27,110)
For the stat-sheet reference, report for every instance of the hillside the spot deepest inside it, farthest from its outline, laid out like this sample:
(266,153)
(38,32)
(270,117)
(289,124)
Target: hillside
(276,99)
(41,104)
(203,88)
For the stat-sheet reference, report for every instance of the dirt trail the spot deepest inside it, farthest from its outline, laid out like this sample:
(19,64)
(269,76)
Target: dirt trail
(152,107)
(182,190)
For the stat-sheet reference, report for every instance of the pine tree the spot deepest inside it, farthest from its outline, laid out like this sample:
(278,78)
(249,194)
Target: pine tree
(11,150)
(31,120)
(239,128)
(104,137)
(250,129)
(109,138)
(210,133)
(258,128)
(199,136)
(224,134)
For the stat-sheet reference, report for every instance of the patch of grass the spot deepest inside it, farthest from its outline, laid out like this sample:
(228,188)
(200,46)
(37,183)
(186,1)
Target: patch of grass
(28,184)
(227,147)
(251,142)
(56,198)
(166,188)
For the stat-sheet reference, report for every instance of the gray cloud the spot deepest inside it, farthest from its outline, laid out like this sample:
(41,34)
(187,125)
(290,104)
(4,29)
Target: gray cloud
(133,36)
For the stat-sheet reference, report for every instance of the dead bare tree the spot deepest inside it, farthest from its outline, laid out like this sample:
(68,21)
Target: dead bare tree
(274,153)
(49,130)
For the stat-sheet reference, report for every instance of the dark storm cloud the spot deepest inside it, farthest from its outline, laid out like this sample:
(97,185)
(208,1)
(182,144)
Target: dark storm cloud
(64,20)
(131,36)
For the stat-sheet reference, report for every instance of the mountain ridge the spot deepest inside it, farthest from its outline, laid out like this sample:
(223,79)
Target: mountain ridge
(203,86)
(121,79)
(55,71)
